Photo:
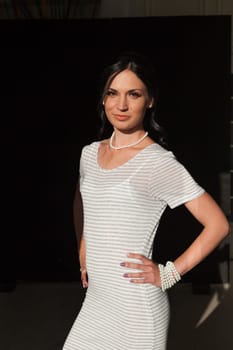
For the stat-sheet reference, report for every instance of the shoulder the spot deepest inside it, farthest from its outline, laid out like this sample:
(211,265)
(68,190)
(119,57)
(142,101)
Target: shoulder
(158,152)
(86,149)
(163,161)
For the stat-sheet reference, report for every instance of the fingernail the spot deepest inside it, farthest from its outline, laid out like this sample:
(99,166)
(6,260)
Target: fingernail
(122,264)
(125,275)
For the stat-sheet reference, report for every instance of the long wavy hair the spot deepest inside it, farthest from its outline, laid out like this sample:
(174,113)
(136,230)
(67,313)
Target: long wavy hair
(145,71)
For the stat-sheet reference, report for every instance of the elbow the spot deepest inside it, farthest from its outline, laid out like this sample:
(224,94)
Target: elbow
(226,228)
(222,228)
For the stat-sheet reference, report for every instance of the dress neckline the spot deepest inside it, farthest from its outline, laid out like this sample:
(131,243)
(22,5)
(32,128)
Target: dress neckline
(123,164)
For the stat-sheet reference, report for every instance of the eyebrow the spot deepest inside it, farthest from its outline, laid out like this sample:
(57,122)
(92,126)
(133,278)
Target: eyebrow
(131,90)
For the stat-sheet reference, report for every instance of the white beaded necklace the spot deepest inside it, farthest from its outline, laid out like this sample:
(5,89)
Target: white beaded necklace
(126,146)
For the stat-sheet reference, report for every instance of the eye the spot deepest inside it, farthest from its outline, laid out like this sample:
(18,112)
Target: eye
(134,94)
(111,93)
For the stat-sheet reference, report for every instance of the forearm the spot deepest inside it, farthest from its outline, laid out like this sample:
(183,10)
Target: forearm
(78,216)
(82,262)
(203,245)
(82,253)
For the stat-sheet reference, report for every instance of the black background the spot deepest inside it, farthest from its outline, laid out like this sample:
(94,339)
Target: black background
(49,89)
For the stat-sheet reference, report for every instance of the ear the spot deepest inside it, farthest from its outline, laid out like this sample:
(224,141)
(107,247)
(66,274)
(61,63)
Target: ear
(150,105)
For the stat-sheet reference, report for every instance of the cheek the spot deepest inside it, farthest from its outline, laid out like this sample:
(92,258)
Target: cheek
(108,110)
(140,109)
(109,105)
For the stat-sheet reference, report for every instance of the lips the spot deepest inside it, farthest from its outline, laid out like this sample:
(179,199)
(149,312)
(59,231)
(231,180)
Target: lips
(121,117)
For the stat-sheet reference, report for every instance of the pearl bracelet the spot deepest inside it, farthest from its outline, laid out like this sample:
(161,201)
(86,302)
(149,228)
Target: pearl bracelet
(169,275)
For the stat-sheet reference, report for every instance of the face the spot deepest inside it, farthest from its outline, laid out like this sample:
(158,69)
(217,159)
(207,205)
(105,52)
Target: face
(126,102)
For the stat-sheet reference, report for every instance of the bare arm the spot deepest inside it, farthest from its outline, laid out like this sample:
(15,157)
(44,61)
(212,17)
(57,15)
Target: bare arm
(215,228)
(78,215)
(78,225)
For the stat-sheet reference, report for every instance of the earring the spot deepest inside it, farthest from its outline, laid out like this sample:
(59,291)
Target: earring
(151,103)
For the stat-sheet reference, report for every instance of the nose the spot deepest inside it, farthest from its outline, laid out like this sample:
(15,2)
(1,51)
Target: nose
(122,104)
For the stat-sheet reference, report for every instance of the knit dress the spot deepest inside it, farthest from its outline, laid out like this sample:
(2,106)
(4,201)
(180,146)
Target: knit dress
(122,211)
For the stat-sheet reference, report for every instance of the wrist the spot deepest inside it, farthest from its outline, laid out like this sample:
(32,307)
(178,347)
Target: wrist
(83,268)
(168,275)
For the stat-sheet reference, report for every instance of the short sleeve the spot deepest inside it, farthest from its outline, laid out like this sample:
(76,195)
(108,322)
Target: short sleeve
(171,182)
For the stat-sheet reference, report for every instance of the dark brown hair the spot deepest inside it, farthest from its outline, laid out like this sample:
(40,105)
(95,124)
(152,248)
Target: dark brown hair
(145,71)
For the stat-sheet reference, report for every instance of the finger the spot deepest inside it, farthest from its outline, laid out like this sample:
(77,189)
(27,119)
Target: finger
(141,278)
(137,256)
(138,280)
(84,279)
(134,275)
(133,265)
(85,284)
(141,257)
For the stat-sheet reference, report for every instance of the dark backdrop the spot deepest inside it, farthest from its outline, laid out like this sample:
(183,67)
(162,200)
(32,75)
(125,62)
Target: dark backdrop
(49,89)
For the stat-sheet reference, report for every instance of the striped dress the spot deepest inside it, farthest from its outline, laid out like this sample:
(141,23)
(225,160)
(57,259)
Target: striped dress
(122,210)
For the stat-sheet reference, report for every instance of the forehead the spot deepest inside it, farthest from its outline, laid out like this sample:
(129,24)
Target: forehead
(127,80)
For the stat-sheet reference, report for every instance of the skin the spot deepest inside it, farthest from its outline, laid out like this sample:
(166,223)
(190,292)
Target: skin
(125,105)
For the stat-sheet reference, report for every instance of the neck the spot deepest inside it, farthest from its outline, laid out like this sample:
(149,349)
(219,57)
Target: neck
(113,146)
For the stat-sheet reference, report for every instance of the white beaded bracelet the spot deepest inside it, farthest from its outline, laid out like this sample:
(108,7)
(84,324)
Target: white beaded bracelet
(169,275)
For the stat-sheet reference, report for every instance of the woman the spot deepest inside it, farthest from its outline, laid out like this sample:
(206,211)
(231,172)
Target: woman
(126,182)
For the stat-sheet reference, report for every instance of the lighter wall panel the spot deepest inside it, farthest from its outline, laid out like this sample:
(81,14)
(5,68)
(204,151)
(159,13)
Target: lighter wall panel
(119,8)
(139,8)
(173,8)
(227,9)
(212,7)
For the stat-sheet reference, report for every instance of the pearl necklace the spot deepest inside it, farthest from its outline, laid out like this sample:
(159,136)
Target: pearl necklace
(126,146)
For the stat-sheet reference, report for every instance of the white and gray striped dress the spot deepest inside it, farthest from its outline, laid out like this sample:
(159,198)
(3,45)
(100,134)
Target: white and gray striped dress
(122,210)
